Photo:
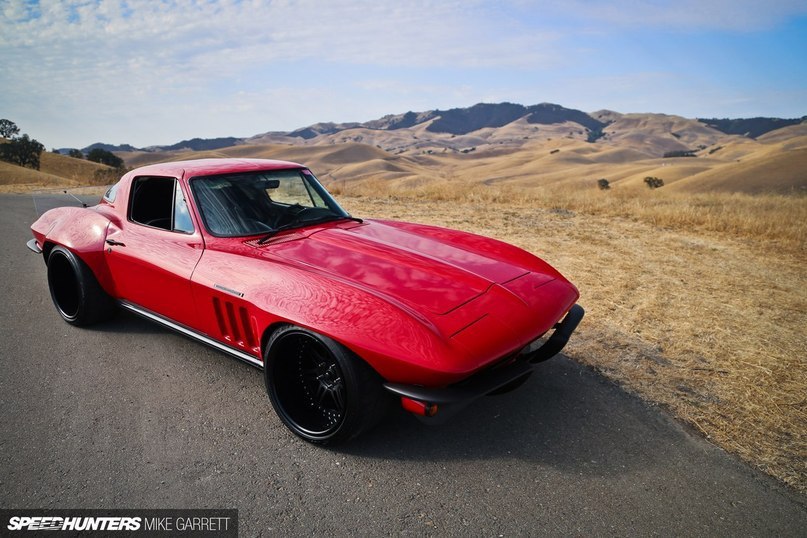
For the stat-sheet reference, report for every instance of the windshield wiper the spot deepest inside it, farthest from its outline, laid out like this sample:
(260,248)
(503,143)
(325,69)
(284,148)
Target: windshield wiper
(298,223)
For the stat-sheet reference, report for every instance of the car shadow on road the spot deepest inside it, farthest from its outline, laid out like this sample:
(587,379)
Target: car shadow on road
(566,416)
(127,322)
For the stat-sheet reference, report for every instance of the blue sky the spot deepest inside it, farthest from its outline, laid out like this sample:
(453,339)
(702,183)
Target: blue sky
(157,72)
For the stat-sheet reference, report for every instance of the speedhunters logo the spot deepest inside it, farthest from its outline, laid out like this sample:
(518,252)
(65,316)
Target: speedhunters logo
(196,523)
(51,523)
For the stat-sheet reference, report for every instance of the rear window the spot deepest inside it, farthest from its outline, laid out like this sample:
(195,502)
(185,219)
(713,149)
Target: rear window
(111,192)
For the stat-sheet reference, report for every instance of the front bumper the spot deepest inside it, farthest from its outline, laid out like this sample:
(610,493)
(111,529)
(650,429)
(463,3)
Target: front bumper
(33,246)
(447,401)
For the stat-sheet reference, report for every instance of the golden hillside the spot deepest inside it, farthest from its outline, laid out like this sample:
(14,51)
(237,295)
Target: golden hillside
(534,156)
(54,171)
(519,154)
(763,171)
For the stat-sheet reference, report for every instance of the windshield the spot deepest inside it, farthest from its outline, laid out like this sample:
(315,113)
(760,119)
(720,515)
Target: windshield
(253,203)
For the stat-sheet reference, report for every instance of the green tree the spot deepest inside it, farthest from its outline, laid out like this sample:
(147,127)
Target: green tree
(8,128)
(654,182)
(595,134)
(103,156)
(75,153)
(23,151)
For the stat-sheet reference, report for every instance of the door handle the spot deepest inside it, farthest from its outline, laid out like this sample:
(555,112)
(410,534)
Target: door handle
(114,243)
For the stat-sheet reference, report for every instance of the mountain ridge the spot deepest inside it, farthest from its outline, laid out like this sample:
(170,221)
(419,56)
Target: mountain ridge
(549,118)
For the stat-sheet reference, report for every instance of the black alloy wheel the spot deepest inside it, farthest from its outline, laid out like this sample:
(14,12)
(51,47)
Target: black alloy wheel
(320,390)
(76,293)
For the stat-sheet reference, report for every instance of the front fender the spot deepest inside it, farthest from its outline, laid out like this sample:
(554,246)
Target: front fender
(401,345)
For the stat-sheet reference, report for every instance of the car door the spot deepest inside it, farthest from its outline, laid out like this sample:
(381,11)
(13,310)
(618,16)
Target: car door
(153,253)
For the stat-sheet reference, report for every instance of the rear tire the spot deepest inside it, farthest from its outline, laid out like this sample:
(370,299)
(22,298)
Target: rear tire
(78,297)
(321,391)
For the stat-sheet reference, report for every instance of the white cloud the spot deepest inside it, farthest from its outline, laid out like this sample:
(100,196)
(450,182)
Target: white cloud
(361,32)
(86,58)
(84,70)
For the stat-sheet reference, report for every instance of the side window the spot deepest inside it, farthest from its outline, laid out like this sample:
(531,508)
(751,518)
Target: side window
(158,202)
(111,193)
(182,218)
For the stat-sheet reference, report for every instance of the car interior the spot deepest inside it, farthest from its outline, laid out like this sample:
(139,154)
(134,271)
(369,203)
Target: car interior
(153,201)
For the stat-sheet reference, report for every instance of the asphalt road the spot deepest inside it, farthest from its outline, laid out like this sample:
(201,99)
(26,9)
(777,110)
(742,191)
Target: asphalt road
(128,415)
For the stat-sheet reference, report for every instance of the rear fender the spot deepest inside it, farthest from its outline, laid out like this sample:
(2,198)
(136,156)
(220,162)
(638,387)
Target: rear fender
(83,232)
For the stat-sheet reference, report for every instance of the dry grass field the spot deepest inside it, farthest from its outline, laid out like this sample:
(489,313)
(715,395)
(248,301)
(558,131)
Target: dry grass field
(696,293)
(695,303)
(55,171)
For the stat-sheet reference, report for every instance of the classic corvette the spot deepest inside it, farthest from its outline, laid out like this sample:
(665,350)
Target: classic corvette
(255,258)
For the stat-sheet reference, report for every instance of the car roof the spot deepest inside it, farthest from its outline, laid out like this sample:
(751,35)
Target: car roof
(207,167)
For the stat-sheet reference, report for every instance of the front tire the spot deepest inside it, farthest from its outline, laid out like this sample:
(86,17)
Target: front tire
(321,391)
(76,293)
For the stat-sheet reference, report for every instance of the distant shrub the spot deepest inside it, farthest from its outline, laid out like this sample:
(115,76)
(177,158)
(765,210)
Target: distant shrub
(8,128)
(750,127)
(603,184)
(554,151)
(680,153)
(595,134)
(23,151)
(76,154)
(654,182)
(715,150)
(103,156)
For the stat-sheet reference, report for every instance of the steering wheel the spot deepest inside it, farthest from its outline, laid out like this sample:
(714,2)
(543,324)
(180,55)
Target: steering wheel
(257,226)
(161,222)
(291,213)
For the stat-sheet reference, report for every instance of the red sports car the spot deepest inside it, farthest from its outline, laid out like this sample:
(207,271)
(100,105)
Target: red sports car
(255,258)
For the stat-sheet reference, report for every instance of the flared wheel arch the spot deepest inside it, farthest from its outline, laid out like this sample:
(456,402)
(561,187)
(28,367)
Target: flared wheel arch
(75,291)
(365,400)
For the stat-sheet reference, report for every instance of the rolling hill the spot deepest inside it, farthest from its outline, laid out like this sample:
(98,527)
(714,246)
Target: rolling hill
(507,143)
(775,163)
(511,124)
(55,171)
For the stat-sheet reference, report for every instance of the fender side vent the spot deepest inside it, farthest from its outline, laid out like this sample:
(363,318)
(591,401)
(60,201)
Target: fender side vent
(234,323)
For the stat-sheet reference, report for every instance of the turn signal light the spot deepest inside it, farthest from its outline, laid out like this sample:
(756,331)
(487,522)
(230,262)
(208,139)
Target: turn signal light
(423,409)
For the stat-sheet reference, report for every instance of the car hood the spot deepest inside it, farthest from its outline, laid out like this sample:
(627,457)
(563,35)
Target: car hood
(430,274)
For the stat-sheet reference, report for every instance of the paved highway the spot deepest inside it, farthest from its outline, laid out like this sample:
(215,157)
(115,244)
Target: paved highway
(128,415)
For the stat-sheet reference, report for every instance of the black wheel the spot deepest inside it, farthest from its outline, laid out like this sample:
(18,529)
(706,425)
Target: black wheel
(78,297)
(321,390)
